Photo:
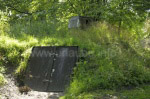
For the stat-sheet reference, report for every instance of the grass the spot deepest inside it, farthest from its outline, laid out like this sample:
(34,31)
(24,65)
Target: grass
(141,92)
(108,61)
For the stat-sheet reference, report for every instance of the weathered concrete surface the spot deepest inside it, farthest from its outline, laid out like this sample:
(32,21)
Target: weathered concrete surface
(80,22)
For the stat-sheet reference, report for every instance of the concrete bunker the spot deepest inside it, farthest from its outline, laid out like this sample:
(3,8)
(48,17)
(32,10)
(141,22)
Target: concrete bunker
(50,67)
(80,22)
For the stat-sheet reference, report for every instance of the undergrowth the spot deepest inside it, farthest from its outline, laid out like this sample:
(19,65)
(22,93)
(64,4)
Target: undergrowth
(108,60)
(141,92)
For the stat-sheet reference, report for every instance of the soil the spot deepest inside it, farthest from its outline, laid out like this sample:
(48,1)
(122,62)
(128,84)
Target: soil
(11,91)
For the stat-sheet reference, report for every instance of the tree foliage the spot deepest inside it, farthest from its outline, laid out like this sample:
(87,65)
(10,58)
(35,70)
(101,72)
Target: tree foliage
(123,13)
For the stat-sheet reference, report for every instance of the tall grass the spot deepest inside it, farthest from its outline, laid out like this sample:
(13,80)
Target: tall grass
(109,61)
(113,61)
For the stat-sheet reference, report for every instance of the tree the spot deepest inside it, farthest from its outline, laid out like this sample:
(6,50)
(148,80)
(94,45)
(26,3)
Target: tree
(125,13)
(93,8)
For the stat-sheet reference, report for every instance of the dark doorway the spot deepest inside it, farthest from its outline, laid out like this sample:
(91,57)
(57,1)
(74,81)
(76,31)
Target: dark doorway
(50,68)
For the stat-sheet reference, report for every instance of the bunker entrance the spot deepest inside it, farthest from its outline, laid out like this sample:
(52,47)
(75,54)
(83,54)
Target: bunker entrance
(49,68)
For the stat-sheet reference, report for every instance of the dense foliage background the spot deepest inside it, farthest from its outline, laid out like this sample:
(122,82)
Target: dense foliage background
(117,51)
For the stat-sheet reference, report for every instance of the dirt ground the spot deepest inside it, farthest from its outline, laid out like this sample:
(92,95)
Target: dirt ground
(11,91)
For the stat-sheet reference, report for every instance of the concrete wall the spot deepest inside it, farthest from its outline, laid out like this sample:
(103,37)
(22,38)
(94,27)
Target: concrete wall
(80,22)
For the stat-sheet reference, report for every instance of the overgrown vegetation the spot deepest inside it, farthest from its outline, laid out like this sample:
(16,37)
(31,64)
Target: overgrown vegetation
(134,93)
(113,53)
(110,61)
